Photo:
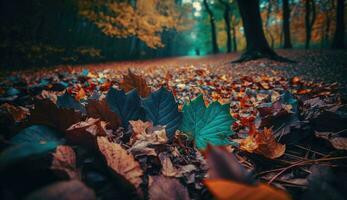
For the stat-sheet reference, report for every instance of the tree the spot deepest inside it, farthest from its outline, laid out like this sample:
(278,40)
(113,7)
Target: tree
(213,27)
(257,46)
(338,42)
(227,23)
(286,24)
(310,17)
(144,19)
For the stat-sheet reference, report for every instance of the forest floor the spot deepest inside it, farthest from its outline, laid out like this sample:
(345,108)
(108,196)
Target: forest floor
(286,124)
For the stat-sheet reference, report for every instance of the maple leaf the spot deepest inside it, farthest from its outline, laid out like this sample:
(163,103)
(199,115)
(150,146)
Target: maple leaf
(161,108)
(264,144)
(166,188)
(64,160)
(69,190)
(100,109)
(126,105)
(207,125)
(132,81)
(120,161)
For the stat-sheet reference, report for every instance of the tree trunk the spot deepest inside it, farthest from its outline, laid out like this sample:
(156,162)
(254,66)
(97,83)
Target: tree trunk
(309,20)
(338,42)
(257,46)
(234,38)
(213,28)
(227,24)
(286,24)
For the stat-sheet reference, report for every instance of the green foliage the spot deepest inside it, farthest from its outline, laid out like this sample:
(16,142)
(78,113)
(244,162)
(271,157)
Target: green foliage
(32,142)
(126,105)
(207,125)
(161,108)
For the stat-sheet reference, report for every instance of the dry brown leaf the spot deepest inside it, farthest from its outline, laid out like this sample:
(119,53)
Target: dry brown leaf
(131,81)
(85,132)
(138,129)
(264,144)
(64,160)
(144,131)
(99,109)
(67,190)
(47,113)
(337,141)
(120,161)
(17,113)
(226,189)
(163,188)
(167,167)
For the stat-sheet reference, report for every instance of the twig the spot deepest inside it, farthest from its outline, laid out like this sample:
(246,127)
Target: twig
(304,163)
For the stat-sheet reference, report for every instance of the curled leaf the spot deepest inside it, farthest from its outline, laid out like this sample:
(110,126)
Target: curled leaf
(264,144)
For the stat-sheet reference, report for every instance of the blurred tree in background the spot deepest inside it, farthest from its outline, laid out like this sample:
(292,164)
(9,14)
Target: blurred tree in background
(42,32)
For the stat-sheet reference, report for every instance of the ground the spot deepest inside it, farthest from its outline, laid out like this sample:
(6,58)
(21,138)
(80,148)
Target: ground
(285,123)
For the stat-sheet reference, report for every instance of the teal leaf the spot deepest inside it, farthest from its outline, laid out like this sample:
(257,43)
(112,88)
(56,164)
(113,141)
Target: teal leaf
(68,102)
(209,125)
(161,108)
(32,142)
(36,134)
(126,105)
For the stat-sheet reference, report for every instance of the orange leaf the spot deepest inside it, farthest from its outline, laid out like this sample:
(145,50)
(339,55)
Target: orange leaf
(264,144)
(120,161)
(227,190)
(132,81)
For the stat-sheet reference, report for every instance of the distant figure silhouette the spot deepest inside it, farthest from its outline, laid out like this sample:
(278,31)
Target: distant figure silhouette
(197,52)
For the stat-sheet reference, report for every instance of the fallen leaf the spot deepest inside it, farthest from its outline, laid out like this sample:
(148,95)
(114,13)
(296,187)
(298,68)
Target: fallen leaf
(167,167)
(17,113)
(336,139)
(207,125)
(161,108)
(132,81)
(120,161)
(100,109)
(67,190)
(223,189)
(31,143)
(126,105)
(64,160)
(86,132)
(163,188)
(263,143)
(47,113)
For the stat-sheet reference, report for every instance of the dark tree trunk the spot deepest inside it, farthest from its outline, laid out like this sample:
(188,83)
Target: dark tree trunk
(257,46)
(309,20)
(338,42)
(213,27)
(227,23)
(234,39)
(286,24)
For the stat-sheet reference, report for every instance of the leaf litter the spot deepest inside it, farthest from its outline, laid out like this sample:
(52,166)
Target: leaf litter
(147,133)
